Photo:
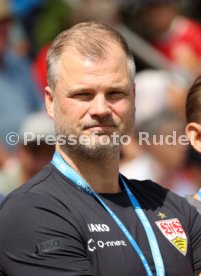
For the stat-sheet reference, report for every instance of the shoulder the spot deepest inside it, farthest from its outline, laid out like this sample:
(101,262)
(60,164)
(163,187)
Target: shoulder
(148,188)
(147,185)
(42,231)
(27,198)
(39,204)
(153,195)
(33,193)
(39,180)
(154,198)
(48,193)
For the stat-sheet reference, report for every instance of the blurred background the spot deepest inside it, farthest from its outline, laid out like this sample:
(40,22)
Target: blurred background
(165,38)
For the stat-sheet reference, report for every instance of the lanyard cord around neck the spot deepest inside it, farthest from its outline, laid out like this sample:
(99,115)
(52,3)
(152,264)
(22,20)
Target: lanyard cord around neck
(65,169)
(199,194)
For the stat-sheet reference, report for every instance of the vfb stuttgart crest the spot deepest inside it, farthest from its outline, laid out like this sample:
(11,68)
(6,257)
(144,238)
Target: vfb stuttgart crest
(174,232)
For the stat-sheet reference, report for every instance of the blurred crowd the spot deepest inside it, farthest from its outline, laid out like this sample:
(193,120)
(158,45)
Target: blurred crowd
(165,37)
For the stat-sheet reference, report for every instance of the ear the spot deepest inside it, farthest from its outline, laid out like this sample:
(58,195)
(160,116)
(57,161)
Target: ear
(49,101)
(134,89)
(134,95)
(193,131)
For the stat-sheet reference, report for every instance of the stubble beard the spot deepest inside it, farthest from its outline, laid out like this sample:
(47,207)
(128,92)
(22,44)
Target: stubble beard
(94,151)
(91,151)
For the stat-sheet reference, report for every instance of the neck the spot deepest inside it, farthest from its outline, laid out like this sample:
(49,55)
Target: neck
(101,175)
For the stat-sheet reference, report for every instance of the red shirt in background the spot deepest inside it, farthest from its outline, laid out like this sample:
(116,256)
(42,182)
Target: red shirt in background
(182,44)
(40,67)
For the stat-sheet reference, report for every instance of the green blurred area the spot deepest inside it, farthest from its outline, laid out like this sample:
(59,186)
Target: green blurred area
(52,19)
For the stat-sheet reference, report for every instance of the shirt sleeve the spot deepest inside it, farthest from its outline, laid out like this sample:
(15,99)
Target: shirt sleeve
(195,239)
(39,236)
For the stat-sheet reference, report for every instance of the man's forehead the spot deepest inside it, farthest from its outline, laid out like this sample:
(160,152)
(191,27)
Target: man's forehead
(78,69)
(73,62)
(91,53)
(102,70)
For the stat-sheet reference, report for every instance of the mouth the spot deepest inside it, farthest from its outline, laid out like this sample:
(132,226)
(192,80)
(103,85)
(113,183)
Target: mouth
(100,127)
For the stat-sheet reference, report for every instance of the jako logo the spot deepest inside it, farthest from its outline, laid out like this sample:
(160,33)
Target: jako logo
(98,227)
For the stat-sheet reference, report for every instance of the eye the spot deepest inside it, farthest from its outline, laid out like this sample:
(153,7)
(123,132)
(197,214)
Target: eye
(83,96)
(115,95)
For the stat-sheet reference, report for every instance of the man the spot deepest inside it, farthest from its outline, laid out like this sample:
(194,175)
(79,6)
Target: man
(78,216)
(193,128)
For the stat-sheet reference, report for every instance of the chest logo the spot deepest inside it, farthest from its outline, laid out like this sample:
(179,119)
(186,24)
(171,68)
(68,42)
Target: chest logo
(98,227)
(174,232)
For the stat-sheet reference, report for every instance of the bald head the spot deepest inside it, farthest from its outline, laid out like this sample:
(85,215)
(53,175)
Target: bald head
(92,40)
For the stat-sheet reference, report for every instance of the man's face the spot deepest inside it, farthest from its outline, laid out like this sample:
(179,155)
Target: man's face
(93,97)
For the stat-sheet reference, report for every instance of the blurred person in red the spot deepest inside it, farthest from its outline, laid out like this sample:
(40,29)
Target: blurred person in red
(175,36)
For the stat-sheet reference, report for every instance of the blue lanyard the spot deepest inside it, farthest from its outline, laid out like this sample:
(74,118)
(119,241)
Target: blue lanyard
(65,169)
(199,194)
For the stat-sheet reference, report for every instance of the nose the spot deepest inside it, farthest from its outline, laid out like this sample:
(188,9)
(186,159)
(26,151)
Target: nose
(100,107)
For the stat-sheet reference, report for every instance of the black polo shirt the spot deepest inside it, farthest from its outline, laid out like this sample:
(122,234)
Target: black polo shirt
(49,227)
